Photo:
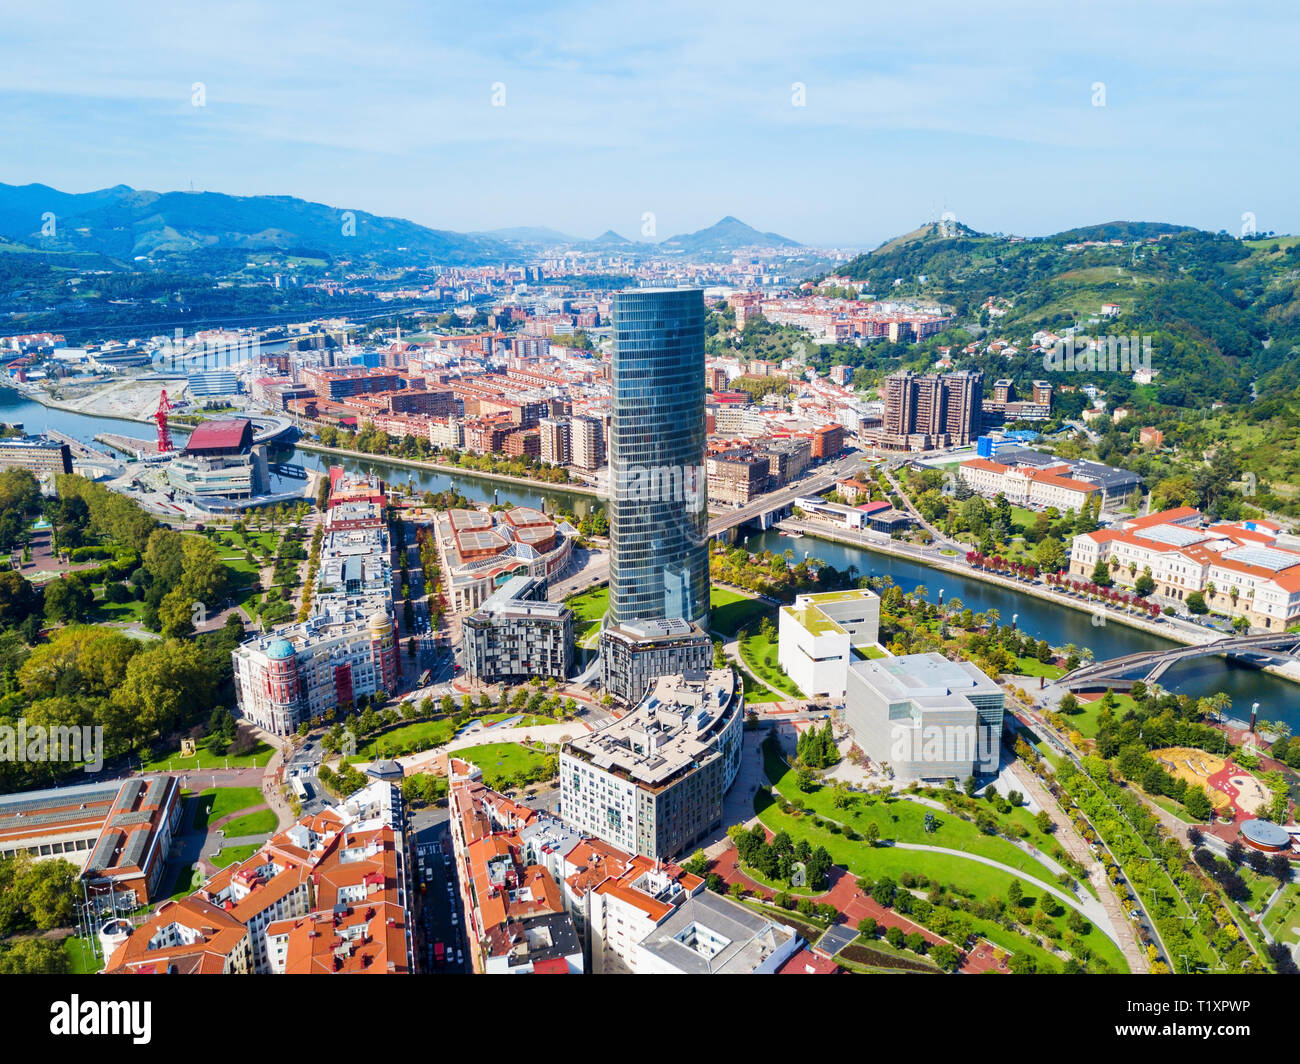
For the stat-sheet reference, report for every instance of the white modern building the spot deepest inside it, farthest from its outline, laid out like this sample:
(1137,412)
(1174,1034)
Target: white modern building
(817,634)
(925,717)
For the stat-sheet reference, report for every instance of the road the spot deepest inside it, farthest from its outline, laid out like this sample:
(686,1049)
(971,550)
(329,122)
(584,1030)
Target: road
(593,568)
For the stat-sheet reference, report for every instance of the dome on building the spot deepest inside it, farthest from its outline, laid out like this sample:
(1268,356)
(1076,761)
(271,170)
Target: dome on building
(379,624)
(279,650)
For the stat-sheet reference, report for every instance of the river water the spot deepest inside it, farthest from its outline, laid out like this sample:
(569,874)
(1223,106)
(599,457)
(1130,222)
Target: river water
(15,407)
(1278,699)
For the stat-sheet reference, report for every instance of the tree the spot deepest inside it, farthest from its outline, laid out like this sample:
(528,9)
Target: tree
(895,937)
(1196,603)
(1101,573)
(1015,894)
(945,956)
(1197,803)
(873,833)
(68,600)
(1043,821)
(867,927)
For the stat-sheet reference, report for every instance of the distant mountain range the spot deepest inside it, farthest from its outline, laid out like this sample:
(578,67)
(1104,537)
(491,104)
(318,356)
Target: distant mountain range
(125,223)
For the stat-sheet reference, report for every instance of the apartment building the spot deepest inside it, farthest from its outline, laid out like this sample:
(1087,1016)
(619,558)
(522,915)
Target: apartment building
(587,443)
(653,781)
(930,410)
(737,476)
(516,634)
(330,894)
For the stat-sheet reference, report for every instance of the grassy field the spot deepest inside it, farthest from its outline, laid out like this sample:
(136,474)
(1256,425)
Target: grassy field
(81,958)
(214,803)
(502,762)
(1283,920)
(902,820)
(970,877)
(731,611)
(1085,721)
(262,822)
(755,649)
(173,762)
(234,854)
(1034,667)
(588,609)
(411,737)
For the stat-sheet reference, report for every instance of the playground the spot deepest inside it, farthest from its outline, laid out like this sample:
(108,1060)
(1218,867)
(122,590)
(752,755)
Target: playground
(1197,768)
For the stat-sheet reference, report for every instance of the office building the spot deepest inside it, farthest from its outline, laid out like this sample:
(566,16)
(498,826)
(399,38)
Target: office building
(817,634)
(208,383)
(653,780)
(659,566)
(516,635)
(925,717)
(43,457)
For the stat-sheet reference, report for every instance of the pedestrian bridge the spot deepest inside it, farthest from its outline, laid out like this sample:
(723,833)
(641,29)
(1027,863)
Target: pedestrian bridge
(1150,666)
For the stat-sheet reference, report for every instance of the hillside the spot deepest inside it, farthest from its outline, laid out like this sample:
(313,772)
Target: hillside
(126,223)
(729,234)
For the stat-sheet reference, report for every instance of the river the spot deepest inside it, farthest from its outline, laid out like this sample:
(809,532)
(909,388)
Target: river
(1278,699)
(35,417)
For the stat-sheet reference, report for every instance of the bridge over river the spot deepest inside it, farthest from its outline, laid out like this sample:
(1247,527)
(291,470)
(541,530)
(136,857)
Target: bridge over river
(1151,665)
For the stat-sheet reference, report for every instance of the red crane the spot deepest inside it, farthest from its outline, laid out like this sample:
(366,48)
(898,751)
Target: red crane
(164,436)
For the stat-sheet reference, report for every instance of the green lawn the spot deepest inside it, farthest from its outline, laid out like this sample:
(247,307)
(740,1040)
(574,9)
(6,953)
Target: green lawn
(902,820)
(589,605)
(970,877)
(755,649)
(1085,721)
(506,764)
(262,822)
(410,738)
(731,611)
(81,958)
(173,762)
(214,803)
(1034,667)
(1283,920)
(187,881)
(588,608)
(234,854)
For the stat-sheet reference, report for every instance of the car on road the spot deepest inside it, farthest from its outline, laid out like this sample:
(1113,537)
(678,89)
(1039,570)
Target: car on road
(460,956)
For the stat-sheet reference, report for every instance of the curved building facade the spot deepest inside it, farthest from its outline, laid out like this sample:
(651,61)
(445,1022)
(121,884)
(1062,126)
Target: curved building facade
(658,514)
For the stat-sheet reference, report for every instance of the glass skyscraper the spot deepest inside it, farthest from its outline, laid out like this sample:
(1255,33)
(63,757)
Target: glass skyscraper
(658,513)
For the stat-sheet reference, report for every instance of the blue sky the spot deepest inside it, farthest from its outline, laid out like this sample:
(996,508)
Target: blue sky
(681,109)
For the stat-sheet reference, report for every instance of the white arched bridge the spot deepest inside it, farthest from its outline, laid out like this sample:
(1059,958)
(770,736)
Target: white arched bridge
(1118,672)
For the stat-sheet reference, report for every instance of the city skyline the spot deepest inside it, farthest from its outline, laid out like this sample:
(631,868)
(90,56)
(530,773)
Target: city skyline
(584,119)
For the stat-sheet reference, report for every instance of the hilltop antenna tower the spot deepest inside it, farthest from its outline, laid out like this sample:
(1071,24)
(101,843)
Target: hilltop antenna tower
(160,416)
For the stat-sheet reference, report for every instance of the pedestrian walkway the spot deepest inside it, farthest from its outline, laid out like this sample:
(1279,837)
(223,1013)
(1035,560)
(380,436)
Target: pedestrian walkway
(1126,937)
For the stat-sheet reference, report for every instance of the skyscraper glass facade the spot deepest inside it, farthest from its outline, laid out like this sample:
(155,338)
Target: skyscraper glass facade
(659,563)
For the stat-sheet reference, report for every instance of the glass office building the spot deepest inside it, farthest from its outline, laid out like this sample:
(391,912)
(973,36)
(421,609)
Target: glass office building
(658,514)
